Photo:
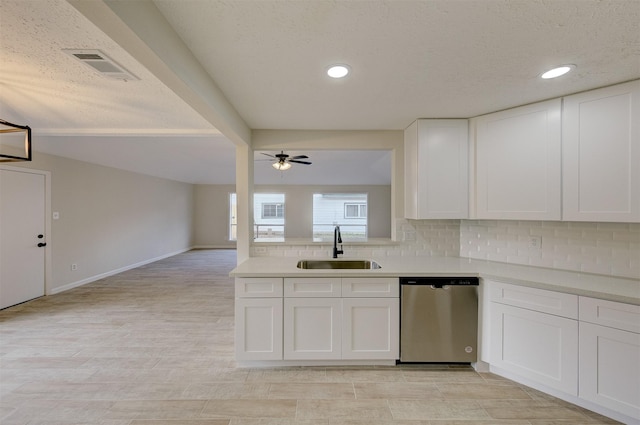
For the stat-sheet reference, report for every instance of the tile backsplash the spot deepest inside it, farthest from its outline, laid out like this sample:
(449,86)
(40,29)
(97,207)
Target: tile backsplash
(605,248)
(419,238)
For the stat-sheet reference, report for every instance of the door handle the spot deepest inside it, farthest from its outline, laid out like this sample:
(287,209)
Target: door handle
(41,244)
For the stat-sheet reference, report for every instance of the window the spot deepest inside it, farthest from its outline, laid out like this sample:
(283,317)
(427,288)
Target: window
(355,210)
(268,216)
(272,210)
(347,210)
(268,213)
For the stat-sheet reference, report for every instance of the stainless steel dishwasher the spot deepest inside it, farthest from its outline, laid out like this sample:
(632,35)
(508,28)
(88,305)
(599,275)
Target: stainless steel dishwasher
(438,319)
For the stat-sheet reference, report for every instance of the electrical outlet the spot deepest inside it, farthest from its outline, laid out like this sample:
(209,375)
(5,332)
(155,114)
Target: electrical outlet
(535,242)
(260,249)
(74,267)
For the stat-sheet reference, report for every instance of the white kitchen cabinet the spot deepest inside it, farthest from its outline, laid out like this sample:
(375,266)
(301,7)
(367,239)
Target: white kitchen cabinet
(365,287)
(533,344)
(517,168)
(436,169)
(258,318)
(610,368)
(317,318)
(348,318)
(370,328)
(312,287)
(541,300)
(312,328)
(260,287)
(610,355)
(601,153)
(258,328)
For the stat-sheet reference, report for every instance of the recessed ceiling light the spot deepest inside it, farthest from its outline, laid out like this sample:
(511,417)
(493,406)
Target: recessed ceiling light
(557,72)
(338,71)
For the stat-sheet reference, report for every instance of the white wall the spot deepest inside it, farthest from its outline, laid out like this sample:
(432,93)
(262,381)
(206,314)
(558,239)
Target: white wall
(211,216)
(110,219)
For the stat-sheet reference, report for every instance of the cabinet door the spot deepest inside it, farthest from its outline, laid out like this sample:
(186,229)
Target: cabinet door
(518,163)
(610,368)
(370,328)
(312,328)
(258,328)
(436,173)
(601,153)
(536,346)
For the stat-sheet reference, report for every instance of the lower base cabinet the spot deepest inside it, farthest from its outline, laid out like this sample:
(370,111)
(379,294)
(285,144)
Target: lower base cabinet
(258,328)
(610,368)
(334,328)
(537,346)
(312,328)
(610,355)
(582,349)
(370,328)
(316,319)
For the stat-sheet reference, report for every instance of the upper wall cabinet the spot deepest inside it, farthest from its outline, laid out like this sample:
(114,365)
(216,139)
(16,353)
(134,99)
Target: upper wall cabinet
(601,154)
(518,163)
(436,169)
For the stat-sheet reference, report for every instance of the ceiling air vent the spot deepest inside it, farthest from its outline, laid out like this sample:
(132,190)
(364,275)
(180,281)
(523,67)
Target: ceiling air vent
(101,63)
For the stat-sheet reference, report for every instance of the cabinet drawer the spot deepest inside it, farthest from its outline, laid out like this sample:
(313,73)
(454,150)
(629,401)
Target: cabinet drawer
(258,287)
(365,287)
(557,303)
(310,287)
(610,313)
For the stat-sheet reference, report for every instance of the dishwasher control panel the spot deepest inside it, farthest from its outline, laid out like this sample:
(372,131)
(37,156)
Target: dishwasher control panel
(440,281)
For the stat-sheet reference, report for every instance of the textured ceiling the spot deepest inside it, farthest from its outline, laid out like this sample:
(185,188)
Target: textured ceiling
(56,94)
(410,59)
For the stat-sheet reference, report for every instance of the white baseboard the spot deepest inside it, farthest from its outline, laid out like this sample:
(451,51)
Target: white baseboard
(112,272)
(214,247)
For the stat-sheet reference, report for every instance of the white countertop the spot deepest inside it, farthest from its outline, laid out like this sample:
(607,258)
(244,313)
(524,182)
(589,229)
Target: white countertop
(586,284)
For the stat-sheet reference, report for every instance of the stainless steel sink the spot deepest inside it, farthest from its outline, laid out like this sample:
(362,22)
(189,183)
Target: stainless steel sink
(338,264)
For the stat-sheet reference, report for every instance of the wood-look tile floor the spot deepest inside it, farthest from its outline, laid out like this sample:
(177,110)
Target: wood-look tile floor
(154,346)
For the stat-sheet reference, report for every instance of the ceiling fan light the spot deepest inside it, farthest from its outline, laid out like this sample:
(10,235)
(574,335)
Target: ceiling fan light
(281,165)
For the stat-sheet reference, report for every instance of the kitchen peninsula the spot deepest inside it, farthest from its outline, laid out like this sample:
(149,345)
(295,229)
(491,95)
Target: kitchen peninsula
(566,333)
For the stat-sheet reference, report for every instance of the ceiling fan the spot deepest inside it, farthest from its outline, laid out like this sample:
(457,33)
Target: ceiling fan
(283,161)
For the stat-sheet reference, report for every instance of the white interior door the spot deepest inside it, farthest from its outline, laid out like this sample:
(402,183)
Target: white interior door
(22,229)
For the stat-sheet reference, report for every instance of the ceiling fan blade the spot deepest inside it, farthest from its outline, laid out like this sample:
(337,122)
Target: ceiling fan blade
(267,154)
(300,162)
(299,157)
